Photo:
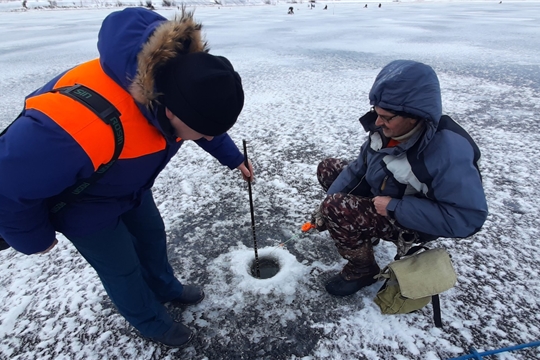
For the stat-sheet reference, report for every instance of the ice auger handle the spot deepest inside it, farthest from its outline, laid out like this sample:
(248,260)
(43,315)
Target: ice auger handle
(308,226)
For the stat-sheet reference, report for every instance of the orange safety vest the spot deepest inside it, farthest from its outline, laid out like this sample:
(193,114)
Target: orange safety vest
(86,128)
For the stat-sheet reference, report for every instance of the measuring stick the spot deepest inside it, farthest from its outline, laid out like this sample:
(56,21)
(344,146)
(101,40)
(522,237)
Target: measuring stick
(246,163)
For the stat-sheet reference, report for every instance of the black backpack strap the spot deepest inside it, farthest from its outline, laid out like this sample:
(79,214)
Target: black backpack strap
(111,116)
(435,301)
(94,101)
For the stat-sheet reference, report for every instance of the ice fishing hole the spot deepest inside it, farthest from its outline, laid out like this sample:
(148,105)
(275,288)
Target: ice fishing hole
(268,267)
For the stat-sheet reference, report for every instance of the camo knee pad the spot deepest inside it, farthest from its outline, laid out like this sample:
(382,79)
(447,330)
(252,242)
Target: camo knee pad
(328,170)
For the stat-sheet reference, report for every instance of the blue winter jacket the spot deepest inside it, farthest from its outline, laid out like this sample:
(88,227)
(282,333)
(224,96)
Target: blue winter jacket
(433,177)
(39,160)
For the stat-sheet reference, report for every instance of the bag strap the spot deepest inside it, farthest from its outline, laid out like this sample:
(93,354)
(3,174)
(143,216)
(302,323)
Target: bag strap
(110,116)
(412,251)
(435,300)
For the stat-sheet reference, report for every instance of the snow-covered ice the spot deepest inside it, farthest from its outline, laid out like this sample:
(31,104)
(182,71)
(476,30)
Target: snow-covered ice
(306,79)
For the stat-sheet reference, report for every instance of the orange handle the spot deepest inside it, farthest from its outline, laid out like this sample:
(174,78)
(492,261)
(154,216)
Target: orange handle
(308,226)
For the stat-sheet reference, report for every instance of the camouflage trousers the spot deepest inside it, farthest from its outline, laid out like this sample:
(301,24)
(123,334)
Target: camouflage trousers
(353,223)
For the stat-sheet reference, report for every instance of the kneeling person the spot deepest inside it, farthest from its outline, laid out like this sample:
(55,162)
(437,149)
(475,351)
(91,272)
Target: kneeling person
(416,177)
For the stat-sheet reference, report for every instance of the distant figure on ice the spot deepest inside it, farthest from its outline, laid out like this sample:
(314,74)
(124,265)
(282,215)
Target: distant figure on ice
(380,4)
(154,86)
(325,7)
(365,6)
(291,11)
(416,177)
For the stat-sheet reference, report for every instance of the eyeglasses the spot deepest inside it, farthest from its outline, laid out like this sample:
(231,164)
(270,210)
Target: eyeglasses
(386,119)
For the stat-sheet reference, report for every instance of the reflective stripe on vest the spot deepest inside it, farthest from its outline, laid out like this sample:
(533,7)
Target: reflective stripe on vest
(87,129)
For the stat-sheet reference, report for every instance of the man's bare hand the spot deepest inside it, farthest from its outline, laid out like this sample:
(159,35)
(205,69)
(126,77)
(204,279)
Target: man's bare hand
(247,174)
(381,202)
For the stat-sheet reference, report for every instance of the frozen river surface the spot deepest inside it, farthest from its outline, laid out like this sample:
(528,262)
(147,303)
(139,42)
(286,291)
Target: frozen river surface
(306,79)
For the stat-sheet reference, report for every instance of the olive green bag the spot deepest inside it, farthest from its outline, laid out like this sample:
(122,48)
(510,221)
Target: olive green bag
(415,280)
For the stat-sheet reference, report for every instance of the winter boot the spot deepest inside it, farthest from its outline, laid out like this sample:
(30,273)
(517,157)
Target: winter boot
(177,336)
(358,272)
(191,295)
(339,285)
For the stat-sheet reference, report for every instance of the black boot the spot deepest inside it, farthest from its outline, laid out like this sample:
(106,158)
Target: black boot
(340,286)
(177,336)
(357,273)
(191,295)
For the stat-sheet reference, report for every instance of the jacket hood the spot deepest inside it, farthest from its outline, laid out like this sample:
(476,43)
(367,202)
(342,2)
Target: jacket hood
(134,43)
(411,87)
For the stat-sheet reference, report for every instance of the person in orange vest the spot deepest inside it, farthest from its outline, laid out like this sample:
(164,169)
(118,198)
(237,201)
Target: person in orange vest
(165,88)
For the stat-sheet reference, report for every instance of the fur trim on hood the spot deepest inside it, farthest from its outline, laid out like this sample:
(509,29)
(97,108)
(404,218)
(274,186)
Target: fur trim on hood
(182,35)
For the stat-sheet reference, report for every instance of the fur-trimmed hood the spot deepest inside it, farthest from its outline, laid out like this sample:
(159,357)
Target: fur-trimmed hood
(134,43)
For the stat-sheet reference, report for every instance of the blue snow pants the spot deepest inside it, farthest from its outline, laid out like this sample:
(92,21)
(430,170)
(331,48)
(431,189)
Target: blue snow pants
(130,258)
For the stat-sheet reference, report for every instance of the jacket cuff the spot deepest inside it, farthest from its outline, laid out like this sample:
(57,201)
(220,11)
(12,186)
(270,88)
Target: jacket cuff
(392,205)
(238,160)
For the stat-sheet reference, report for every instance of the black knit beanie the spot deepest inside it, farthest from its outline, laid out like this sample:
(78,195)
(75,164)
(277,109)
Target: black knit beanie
(202,90)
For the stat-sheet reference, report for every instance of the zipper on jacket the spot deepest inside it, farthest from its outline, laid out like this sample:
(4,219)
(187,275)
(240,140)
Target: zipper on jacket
(383,186)
(357,185)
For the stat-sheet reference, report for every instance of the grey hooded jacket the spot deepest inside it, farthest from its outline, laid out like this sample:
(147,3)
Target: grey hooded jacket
(433,177)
